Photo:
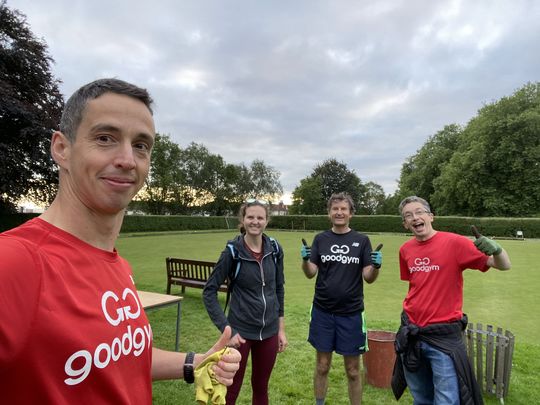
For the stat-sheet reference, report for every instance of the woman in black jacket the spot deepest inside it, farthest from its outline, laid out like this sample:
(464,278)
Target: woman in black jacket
(253,262)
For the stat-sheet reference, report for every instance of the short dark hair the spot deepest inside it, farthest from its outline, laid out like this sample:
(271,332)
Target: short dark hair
(341,197)
(74,107)
(411,199)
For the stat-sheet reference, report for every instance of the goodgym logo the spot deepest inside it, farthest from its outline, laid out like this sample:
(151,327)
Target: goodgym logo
(339,254)
(423,264)
(120,313)
(116,310)
(343,249)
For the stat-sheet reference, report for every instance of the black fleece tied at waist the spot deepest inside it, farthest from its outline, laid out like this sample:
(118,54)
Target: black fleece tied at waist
(446,337)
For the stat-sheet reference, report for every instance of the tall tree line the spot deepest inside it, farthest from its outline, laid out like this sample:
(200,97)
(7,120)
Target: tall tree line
(331,176)
(490,167)
(193,180)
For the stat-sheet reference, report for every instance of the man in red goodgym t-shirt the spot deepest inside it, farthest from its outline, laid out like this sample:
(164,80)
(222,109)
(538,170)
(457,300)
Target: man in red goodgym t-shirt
(435,364)
(72,329)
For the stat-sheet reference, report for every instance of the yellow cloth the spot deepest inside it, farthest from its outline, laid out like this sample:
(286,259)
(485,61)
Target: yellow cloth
(207,387)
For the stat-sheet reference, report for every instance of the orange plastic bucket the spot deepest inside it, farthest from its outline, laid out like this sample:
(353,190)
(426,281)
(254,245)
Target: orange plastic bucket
(379,360)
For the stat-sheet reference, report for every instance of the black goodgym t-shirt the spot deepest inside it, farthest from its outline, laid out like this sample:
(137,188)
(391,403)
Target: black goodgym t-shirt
(340,259)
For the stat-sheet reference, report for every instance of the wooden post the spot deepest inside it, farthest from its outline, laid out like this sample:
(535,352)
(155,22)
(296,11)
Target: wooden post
(489,360)
(509,353)
(479,356)
(499,363)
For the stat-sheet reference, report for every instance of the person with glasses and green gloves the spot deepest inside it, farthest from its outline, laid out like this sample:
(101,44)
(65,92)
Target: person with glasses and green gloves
(431,358)
(253,265)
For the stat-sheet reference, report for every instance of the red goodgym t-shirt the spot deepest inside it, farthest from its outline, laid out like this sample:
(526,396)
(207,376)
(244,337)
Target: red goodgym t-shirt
(434,271)
(72,330)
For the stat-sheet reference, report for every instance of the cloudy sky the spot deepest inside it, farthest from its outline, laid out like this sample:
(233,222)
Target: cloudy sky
(297,82)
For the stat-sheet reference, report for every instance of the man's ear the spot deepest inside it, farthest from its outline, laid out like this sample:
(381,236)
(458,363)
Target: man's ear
(60,148)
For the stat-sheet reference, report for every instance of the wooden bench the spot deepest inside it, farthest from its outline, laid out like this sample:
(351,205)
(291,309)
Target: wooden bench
(189,273)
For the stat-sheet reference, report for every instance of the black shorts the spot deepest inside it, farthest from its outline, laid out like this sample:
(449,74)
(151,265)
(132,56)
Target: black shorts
(344,334)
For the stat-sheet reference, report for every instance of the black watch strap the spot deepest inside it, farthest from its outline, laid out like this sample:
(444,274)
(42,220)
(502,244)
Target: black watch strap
(189,375)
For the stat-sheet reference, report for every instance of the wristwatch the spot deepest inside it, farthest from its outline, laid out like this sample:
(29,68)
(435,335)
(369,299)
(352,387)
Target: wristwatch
(189,376)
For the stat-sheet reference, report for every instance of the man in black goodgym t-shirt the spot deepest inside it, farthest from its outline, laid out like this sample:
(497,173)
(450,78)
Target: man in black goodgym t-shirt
(341,258)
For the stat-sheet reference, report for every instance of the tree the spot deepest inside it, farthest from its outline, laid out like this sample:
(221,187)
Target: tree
(164,191)
(30,109)
(203,171)
(330,177)
(183,181)
(265,180)
(307,197)
(489,168)
(228,194)
(373,200)
(390,204)
(210,179)
(495,170)
(419,172)
(336,177)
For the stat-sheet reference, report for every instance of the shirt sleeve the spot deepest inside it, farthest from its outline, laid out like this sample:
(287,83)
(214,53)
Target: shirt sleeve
(20,282)
(471,257)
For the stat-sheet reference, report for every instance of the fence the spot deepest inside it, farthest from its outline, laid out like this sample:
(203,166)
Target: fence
(490,354)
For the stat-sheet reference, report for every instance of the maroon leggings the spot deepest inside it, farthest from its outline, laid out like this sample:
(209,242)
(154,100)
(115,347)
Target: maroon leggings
(263,358)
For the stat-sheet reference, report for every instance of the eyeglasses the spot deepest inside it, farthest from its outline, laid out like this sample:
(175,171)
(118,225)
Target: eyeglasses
(411,215)
(255,201)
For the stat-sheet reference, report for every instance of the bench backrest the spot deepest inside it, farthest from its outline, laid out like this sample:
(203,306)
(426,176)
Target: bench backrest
(190,269)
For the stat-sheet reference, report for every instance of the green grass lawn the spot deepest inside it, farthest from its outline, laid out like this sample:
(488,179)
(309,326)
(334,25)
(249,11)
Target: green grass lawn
(504,299)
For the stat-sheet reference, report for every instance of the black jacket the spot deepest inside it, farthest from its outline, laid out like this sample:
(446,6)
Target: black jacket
(258,295)
(446,337)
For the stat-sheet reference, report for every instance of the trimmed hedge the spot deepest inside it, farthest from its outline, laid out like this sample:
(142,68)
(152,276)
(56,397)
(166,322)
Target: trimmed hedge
(362,223)
(498,227)
(158,223)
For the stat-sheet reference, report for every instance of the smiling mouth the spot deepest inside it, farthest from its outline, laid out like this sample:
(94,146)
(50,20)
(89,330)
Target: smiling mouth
(122,182)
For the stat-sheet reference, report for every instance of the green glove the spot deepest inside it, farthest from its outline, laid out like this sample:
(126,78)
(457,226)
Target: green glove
(376,259)
(487,246)
(305,251)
